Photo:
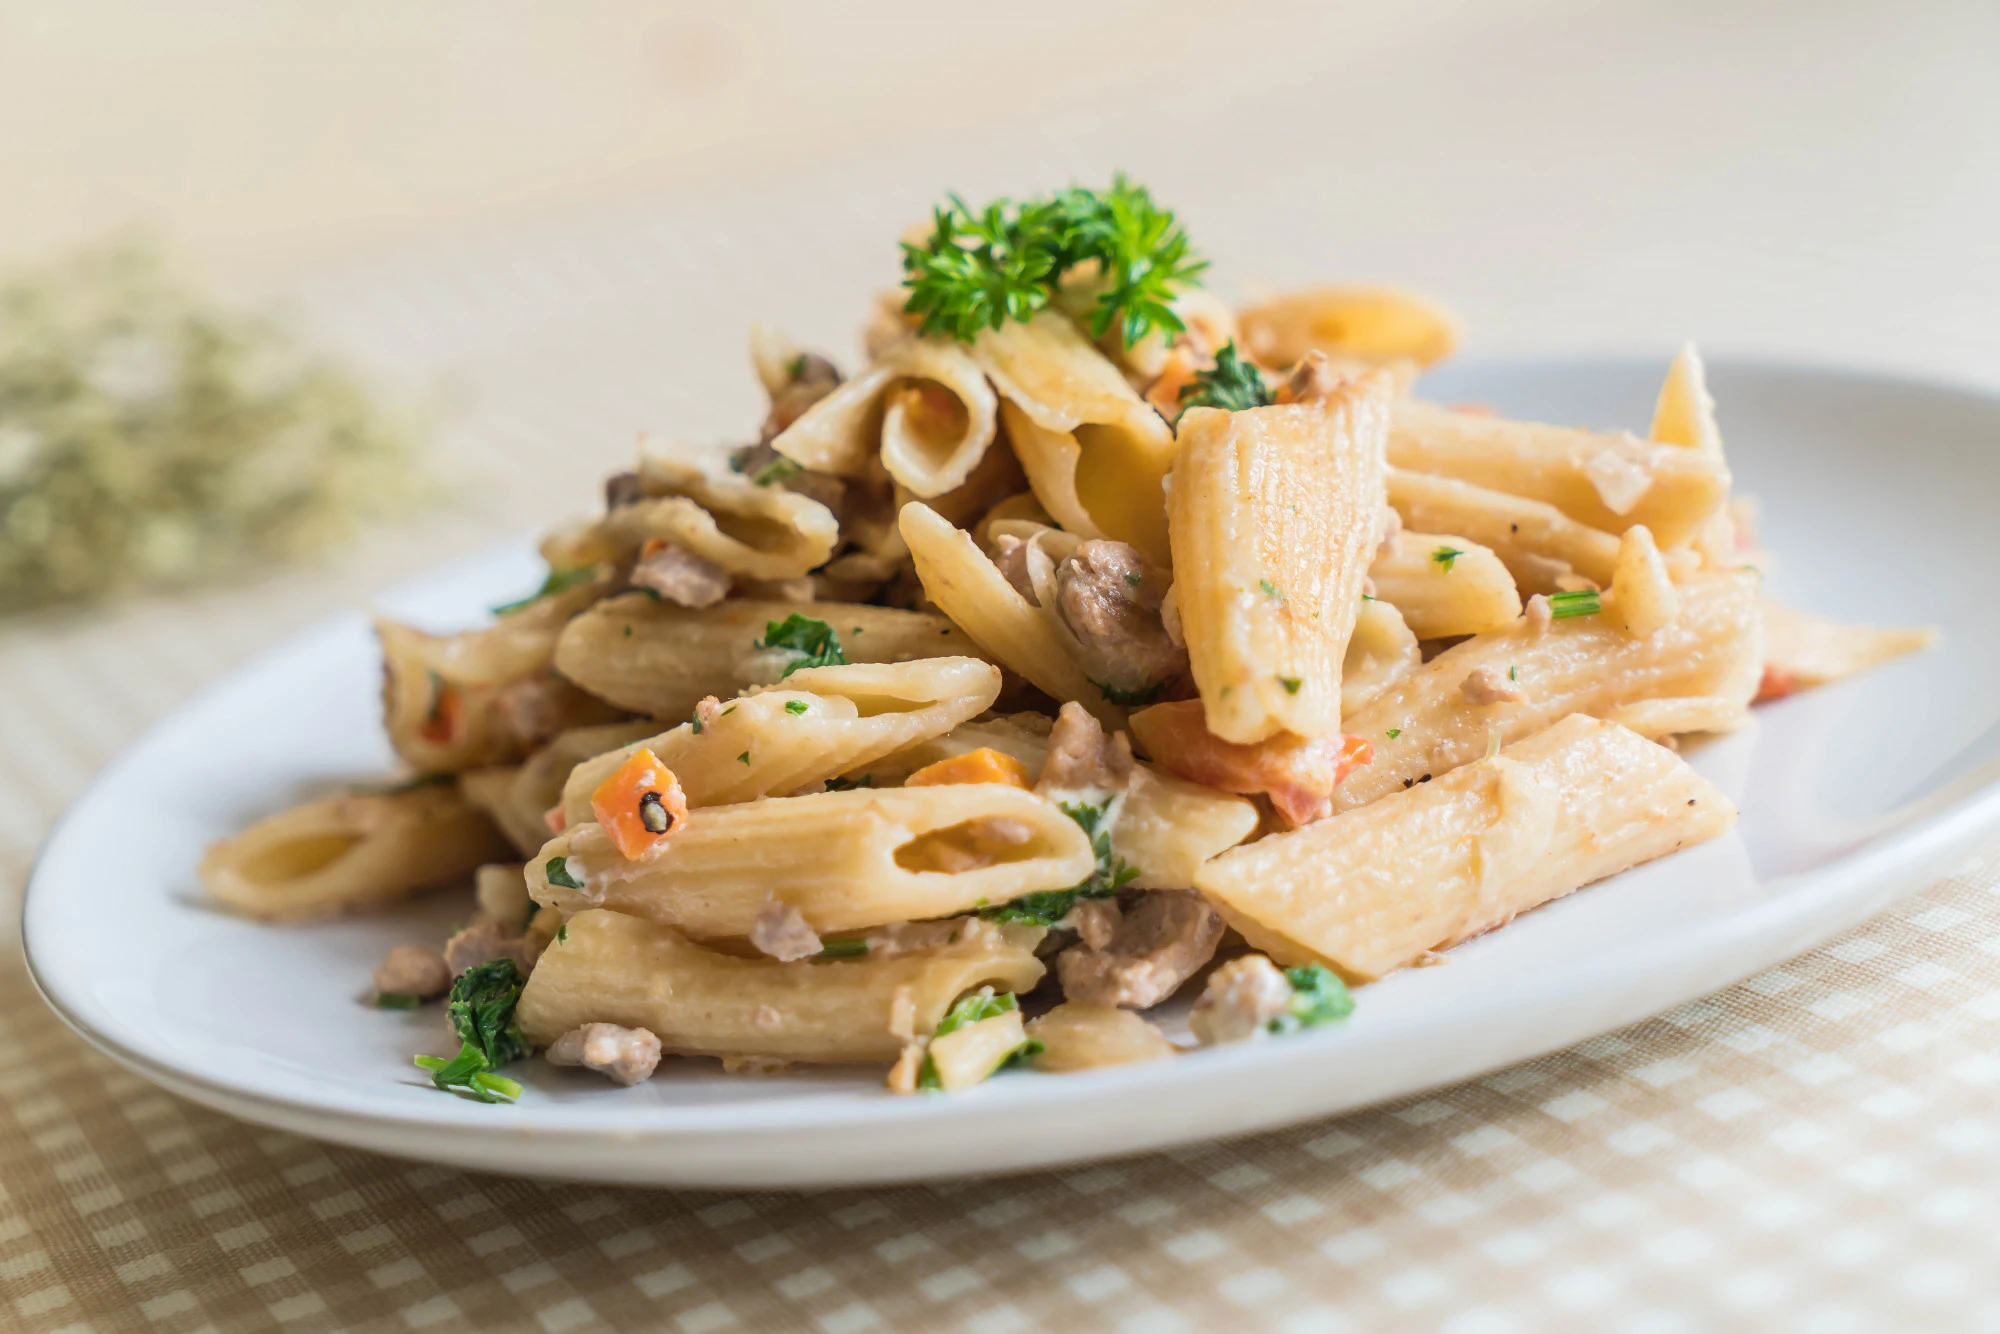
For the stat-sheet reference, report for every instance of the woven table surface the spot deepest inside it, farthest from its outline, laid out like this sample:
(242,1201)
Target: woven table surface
(1813,1149)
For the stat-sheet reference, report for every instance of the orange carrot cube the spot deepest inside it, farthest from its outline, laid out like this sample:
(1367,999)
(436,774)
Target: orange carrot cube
(985,765)
(641,805)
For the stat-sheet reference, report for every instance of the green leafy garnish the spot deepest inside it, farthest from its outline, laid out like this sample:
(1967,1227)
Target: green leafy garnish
(1445,556)
(981,1004)
(1050,906)
(843,949)
(557,869)
(979,269)
(562,934)
(1318,997)
(811,643)
(1393,733)
(1270,590)
(1232,384)
(796,706)
(481,1011)
(396,1000)
(843,784)
(744,758)
(1291,684)
(1129,699)
(558,581)
(777,470)
(1583,602)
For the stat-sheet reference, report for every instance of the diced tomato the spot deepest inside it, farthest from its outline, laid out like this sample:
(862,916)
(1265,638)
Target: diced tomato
(441,725)
(1298,775)
(1777,683)
(641,806)
(985,765)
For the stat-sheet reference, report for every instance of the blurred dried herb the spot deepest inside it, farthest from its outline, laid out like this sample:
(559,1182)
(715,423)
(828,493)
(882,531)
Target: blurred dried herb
(152,438)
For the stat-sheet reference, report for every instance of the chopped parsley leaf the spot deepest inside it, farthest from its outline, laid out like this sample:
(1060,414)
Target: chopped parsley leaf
(1514,673)
(981,1004)
(843,949)
(1318,997)
(1129,699)
(796,706)
(481,1011)
(558,873)
(1270,590)
(1134,580)
(777,470)
(843,784)
(811,643)
(396,1000)
(744,758)
(1445,556)
(1291,684)
(1583,602)
(1050,906)
(1232,384)
(562,934)
(558,581)
(1394,732)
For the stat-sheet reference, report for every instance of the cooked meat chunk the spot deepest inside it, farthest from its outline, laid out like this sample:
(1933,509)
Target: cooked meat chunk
(536,709)
(1484,685)
(484,942)
(752,460)
(1110,599)
(1168,936)
(1541,615)
(622,489)
(1095,922)
(1081,757)
(1310,380)
(813,378)
(681,577)
(1241,997)
(782,933)
(412,970)
(625,1055)
(1010,557)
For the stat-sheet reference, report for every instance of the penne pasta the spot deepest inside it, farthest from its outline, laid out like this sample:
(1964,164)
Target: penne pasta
(1370,324)
(350,851)
(611,968)
(1095,453)
(1445,586)
(967,587)
(662,660)
(1642,597)
(1685,414)
(1512,683)
(843,860)
(1537,543)
(819,723)
(1802,650)
(704,506)
(521,798)
(1381,651)
(1374,889)
(1604,481)
(1273,516)
(924,410)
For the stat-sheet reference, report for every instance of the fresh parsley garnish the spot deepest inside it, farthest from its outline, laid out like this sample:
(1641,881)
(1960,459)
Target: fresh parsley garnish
(558,873)
(1583,602)
(811,643)
(1270,590)
(481,1011)
(1052,905)
(843,784)
(1232,384)
(981,1004)
(843,949)
(979,269)
(558,581)
(1129,699)
(1446,556)
(396,1000)
(1393,733)
(1291,684)
(744,758)
(562,934)
(796,706)
(1318,997)
(777,470)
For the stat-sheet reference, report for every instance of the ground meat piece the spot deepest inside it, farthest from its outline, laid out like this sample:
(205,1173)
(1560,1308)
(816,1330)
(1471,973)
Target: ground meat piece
(1167,937)
(627,1056)
(681,577)
(622,489)
(1241,997)
(1110,599)
(412,970)
(1484,685)
(1541,615)
(484,942)
(828,491)
(1095,922)
(1310,380)
(813,378)
(534,710)
(1010,557)
(1082,757)
(781,932)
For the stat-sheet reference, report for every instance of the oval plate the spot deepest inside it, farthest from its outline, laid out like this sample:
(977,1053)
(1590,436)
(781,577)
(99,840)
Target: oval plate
(1876,492)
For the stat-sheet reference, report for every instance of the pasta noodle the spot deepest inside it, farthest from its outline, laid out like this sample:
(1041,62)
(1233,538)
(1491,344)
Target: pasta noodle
(660,659)
(1381,651)
(1445,586)
(1373,324)
(1372,889)
(520,798)
(924,412)
(843,860)
(611,968)
(1803,650)
(1272,515)
(1537,542)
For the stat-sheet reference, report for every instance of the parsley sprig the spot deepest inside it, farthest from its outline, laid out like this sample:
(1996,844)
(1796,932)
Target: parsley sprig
(481,1011)
(981,268)
(981,1004)
(1318,997)
(1232,384)
(1051,906)
(811,643)
(558,581)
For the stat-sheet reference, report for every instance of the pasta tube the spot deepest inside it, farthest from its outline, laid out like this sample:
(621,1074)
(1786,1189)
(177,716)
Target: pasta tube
(610,968)
(967,587)
(1373,324)
(1685,414)
(1273,515)
(662,660)
(1513,683)
(704,506)
(350,851)
(1094,451)
(1381,651)
(924,408)
(1802,650)
(1604,481)
(1535,541)
(1445,586)
(520,798)
(818,723)
(1373,889)
(842,859)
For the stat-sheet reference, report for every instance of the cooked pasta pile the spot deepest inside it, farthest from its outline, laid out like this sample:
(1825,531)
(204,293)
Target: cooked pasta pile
(1094,644)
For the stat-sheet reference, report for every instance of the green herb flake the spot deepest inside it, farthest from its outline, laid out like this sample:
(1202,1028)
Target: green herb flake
(1134,580)
(1051,906)
(562,934)
(744,758)
(1318,997)
(1232,384)
(1514,673)
(1133,698)
(1270,590)
(843,784)
(1291,684)
(1583,602)
(777,470)
(628,632)
(557,870)
(396,1000)
(796,367)
(558,581)
(796,706)
(980,1005)
(1446,557)
(731,709)
(1393,733)
(842,949)
(811,643)
(481,1011)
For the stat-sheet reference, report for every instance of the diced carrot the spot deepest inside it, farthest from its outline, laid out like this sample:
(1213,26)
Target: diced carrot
(1298,775)
(640,806)
(441,724)
(1777,683)
(985,765)
(652,545)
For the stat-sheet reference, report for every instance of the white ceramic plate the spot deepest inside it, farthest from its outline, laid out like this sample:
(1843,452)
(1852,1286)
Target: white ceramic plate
(1876,491)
